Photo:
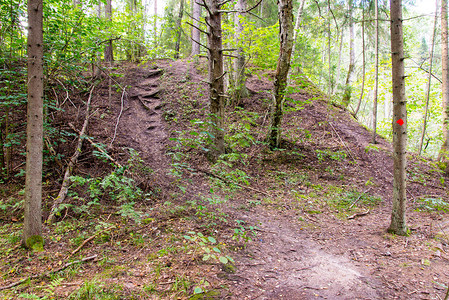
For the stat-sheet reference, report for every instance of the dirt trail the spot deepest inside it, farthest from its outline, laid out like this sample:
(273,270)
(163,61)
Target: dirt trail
(284,263)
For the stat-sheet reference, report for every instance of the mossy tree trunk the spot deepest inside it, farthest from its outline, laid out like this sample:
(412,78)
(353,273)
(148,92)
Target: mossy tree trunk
(32,232)
(285,12)
(398,224)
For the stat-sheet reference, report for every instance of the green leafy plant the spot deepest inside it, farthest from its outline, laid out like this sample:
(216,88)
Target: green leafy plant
(208,246)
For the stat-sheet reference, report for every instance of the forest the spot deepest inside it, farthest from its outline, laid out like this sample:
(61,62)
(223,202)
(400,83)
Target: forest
(224,149)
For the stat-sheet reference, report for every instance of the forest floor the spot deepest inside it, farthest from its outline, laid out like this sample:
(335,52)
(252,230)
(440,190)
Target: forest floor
(307,221)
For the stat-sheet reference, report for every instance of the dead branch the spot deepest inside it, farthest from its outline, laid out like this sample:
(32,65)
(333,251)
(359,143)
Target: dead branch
(205,6)
(224,2)
(225,180)
(359,215)
(98,147)
(118,118)
(88,240)
(256,5)
(191,17)
(48,273)
(73,160)
(201,44)
(199,29)
(358,198)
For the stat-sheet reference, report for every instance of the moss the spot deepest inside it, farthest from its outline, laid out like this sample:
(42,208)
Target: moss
(35,243)
(229,268)
(213,294)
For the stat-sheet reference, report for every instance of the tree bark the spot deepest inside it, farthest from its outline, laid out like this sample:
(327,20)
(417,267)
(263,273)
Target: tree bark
(295,35)
(285,12)
(399,123)
(376,67)
(444,151)
(155,23)
(216,77)
(239,67)
(32,232)
(348,88)
(108,52)
(429,79)
(363,61)
(178,26)
(196,34)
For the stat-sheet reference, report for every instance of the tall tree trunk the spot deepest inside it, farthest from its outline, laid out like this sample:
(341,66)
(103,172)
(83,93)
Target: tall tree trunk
(363,61)
(285,12)
(196,34)
(376,67)
(155,23)
(295,35)
(348,88)
(108,52)
(216,76)
(337,80)
(32,232)
(429,79)
(399,123)
(239,68)
(178,25)
(444,151)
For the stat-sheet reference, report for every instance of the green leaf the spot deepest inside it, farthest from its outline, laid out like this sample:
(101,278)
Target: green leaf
(216,250)
(223,259)
(198,290)
(206,257)
(212,240)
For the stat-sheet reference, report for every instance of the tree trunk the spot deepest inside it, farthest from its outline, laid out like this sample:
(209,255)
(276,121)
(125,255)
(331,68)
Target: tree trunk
(239,67)
(285,12)
(155,23)
(429,79)
(295,35)
(348,88)
(376,67)
(363,61)
(32,232)
(216,77)
(108,52)
(399,123)
(444,151)
(196,34)
(178,25)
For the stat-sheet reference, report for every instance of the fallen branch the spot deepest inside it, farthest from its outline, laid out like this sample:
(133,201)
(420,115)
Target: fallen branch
(359,215)
(118,118)
(88,240)
(97,147)
(226,181)
(47,273)
(73,160)
(358,198)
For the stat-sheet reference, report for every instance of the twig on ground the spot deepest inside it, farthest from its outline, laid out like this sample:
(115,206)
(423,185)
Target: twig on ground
(48,273)
(359,215)
(358,198)
(88,240)
(344,144)
(226,181)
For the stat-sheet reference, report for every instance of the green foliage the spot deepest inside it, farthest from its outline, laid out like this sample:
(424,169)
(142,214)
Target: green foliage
(433,204)
(244,233)
(323,155)
(208,247)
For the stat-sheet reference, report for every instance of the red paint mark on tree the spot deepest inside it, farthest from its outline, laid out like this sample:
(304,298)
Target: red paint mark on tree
(400,122)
